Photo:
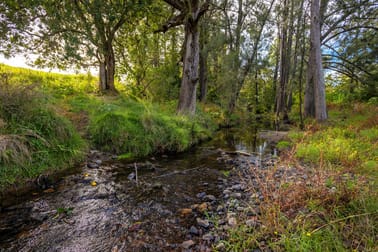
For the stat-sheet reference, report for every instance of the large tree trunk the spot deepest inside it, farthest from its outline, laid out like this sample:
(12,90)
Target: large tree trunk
(107,71)
(203,54)
(187,99)
(315,105)
(203,76)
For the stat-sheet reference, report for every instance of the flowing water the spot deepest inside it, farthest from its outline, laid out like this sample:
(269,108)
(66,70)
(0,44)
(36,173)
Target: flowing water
(118,206)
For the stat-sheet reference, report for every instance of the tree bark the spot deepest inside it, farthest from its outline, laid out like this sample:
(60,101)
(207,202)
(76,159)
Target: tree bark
(187,99)
(315,105)
(203,54)
(107,71)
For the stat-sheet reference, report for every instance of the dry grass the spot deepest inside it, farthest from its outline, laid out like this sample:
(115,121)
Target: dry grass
(13,149)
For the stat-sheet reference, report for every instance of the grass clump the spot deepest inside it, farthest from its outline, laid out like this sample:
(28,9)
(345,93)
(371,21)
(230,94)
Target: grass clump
(144,129)
(33,137)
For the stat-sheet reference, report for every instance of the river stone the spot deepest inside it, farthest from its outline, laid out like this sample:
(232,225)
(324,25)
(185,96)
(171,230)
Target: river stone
(208,237)
(92,165)
(187,244)
(220,247)
(232,222)
(236,195)
(226,191)
(210,197)
(201,195)
(237,187)
(98,161)
(193,230)
(203,223)
(131,176)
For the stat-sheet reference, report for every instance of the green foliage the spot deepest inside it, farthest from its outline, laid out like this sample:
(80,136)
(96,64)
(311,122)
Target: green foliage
(283,145)
(33,137)
(344,143)
(144,129)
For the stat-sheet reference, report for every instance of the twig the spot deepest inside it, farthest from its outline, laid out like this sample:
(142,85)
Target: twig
(342,219)
(136,173)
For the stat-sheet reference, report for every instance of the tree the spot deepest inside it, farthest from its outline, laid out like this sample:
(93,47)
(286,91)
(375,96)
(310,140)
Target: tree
(79,32)
(315,103)
(189,15)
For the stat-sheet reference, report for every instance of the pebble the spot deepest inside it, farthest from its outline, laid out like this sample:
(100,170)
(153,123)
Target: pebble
(207,237)
(193,230)
(201,195)
(232,222)
(220,247)
(98,161)
(131,176)
(210,197)
(236,195)
(187,244)
(237,187)
(92,165)
(203,223)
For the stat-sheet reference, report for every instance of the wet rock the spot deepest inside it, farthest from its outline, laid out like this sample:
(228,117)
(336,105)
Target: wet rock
(203,223)
(202,207)
(187,244)
(185,212)
(210,197)
(226,191)
(201,195)
(193,230)
(220,247)
(98,161)
(237,187)
(131,176)
(92,165)
(236,195)
(232,222)
(208,237)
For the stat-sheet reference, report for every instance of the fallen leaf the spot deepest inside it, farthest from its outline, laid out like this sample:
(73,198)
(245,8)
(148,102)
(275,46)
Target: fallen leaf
(50,190)
(93,183)
(86,175)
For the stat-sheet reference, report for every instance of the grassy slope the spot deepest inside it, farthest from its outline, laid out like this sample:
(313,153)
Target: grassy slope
(74,116)
(336,209)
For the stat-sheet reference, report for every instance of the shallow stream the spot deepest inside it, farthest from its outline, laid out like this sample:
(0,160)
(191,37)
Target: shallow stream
(110,205)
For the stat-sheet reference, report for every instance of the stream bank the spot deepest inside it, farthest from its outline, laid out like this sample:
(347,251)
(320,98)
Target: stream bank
(169,204)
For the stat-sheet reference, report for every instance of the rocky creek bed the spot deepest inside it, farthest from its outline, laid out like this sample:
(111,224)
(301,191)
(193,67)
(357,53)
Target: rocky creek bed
(181,203)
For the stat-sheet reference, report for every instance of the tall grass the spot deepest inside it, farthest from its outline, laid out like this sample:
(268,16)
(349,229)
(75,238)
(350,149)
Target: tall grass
(33,137)
(331,201)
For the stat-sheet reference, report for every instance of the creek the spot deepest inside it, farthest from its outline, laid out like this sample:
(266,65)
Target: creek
(110,205)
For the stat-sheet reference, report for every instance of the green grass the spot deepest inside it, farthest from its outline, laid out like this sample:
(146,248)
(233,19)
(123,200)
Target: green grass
(47,120)
(336,207)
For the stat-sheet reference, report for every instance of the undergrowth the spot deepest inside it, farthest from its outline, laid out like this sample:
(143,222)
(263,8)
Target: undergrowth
(33,137)
(322,196)
(46,119)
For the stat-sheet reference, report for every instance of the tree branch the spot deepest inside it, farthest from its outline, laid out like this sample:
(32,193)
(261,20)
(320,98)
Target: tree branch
(172,22)
(177,4)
